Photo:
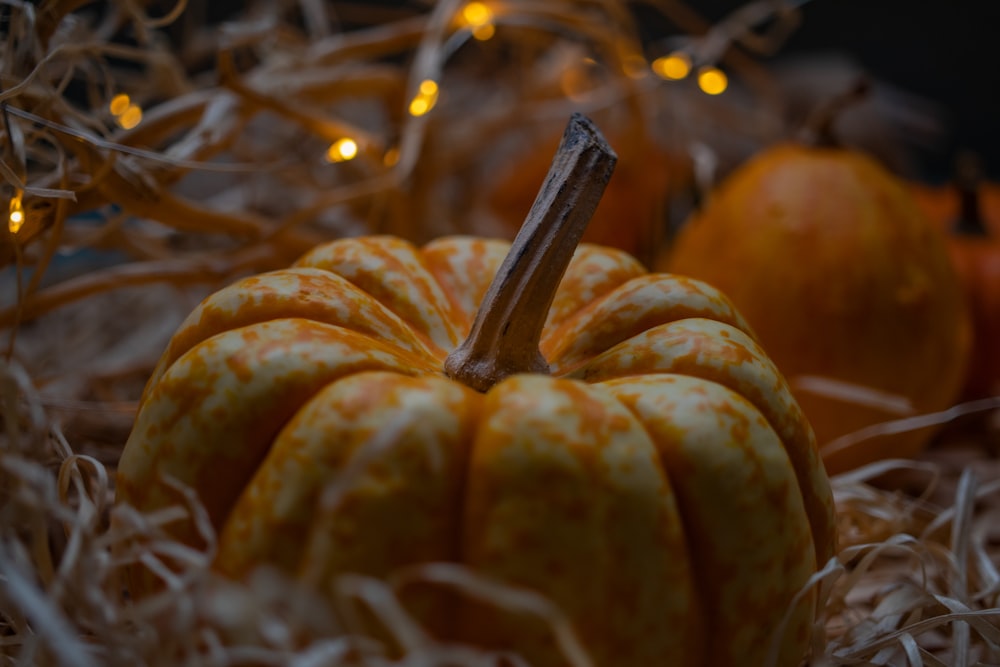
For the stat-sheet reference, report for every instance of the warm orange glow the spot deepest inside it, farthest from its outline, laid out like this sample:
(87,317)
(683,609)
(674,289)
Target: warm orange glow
(635,66)
(425,98)
(484,32)
(479,19)
(712,80)
(429,87)
(131,117)
(119,104)
(342,150)
(15,219)
(391,157)
(674,67)
(577,82)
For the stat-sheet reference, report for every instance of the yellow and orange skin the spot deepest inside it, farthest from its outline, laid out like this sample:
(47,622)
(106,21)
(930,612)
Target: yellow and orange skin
(833,264)
(661,486)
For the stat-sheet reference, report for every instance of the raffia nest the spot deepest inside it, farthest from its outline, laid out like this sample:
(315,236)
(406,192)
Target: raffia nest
(228,172)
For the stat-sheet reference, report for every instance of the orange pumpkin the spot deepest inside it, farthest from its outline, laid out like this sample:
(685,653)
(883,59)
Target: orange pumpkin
(969,211)
(611,438)
(943,203)
(848,286)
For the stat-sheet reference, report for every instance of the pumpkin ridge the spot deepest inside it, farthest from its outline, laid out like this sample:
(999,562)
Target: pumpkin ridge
(464,266)
(630,309)
(393,272)
(305,292)
(702,468)
(235,390)
(595,512)
(593,272)
(716,351)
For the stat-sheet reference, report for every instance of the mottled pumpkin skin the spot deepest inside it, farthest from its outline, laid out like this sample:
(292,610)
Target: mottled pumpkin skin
(841,276)
(661,485)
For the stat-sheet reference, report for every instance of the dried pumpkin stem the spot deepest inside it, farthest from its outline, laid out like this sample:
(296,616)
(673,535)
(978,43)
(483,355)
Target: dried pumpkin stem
(508,327)
(969,175)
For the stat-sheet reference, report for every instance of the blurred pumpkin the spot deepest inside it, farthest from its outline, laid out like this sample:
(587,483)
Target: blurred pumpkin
(848,286)
(943,203)
(969,211)
(632,214)
(620,444)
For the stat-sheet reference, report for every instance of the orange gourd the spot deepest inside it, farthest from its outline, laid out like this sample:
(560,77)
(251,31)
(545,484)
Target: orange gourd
(968,210)
(847,284)
(613,439)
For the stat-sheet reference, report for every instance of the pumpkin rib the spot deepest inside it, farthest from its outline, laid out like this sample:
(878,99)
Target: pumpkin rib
(752,547)
(305,292)
(719,352)
(595,511)
(394,272)
(236,390)
(629,309)
(593,272)
(424,422)
(464,266)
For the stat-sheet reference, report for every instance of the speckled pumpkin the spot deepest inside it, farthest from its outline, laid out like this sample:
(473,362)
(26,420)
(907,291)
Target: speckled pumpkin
(656,480)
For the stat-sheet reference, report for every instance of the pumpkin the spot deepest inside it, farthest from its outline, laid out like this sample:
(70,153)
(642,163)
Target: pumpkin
(965,209)
(630,215)
(848,286)
(613,439)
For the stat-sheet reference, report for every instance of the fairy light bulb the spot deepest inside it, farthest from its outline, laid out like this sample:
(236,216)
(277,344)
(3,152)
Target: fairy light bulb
(126,114)
(478,18)
(131,117)
(119,104)
(712,80)
(425,99)
(15,218)
(674,66)
(342,150)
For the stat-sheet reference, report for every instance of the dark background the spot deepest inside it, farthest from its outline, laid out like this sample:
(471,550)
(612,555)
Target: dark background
(946,52)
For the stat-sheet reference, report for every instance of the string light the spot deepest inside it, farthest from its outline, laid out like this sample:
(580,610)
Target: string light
(342,150)
(126,114)
(674,66)
(131,117)
(15,218)
(712,80)
(391,157)
(478,18)
(119,104)
(425,99)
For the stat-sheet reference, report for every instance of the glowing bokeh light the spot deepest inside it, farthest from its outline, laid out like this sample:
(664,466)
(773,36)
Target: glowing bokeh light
(131,117)
(712,80)
(674,66)
(479,19)
(15,219)
(425,99)
(342,150)
(119,104)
